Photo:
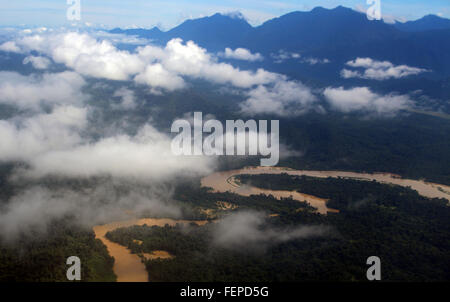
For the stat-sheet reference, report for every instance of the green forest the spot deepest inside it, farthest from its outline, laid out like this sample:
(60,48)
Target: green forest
(42,258)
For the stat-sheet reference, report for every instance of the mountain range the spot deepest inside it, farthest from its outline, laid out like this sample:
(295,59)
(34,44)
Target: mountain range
(339,35)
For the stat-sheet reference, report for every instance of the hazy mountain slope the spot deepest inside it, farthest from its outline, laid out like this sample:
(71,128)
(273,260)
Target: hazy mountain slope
(428,22)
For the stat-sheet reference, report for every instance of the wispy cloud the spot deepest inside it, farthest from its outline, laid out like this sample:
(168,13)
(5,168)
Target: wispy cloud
(283,56)
(249,230)
(378,70)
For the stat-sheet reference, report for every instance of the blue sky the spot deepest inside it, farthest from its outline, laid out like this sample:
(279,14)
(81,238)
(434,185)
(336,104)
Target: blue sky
(169,13)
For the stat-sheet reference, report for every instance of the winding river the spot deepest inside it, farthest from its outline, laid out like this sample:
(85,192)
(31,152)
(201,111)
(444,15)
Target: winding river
(129,267)
(224,181)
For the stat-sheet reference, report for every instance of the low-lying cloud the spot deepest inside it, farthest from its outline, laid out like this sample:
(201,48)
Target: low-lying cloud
(33,91)
(241,54)
(378,70)
(127,99)
(26,138)
(281,56)
(146,156)
(284,98)
(37,62)
(363,99)
(249,229)
(33,209)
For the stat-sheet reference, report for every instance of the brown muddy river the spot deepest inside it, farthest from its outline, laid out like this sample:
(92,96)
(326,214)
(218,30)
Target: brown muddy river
(224,181)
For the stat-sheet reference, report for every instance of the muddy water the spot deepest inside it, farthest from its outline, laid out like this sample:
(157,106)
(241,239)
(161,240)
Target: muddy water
(224,181)
(128,267)
(319,203)
(157,255)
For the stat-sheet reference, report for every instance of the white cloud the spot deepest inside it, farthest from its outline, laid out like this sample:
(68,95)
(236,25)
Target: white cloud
(29,92)
(33,209)
(53,144)
(157,76)
(284,98)
(37,62)
(10,46)
(127,98)
(346,73)
(378,70)
(241,54)
(362,99)
(23,139)
(314,61)
(167,67)
(248,229)
(146,156)
(283,55)
(151,65)
(85,54)
(193,61)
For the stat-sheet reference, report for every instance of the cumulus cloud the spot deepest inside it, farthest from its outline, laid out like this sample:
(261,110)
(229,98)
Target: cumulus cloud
(37,62)
(158,67)
(10,46)
(29,92)
(378,70)
(363,99)
(188,59)
(84,54)
(249,229)
(155,75)
(127,97)
(347,73)
(241,54)
(167,67)
(285,98)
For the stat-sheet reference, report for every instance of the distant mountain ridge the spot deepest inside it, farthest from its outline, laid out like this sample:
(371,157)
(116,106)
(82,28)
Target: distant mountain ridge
(338,34)
(428,22)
